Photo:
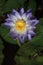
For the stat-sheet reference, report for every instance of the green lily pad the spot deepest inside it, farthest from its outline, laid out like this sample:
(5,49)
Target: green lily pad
(31,63)
(39,59)
(5,34)
(26,51)
(25,61)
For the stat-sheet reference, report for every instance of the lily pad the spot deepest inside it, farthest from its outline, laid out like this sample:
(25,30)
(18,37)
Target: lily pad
(5,34)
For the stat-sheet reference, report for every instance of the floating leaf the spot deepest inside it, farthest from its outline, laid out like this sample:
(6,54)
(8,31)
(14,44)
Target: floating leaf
(39,59)
(24,61)
(5,34)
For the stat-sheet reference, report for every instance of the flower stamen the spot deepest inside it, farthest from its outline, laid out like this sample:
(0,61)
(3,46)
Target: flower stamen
(20,25)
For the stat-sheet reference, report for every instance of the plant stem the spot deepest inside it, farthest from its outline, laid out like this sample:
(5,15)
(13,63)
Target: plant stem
(18,42)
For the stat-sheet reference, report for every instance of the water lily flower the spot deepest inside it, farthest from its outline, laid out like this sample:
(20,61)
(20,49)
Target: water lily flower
(21,25)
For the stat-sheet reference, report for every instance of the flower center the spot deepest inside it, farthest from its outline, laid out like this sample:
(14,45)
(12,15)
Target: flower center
(20,25)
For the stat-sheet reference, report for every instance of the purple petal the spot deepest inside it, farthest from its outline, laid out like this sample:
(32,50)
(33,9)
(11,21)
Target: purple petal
(32,33)
(24,17)
(34,22)
(22,10)
(29,37)
(8,20)
(17,14)
(9,24)
(14,35)
(12,29)
(8,15)
(22,39)
(11,18)
(32,27)
(29,15)
(28,11)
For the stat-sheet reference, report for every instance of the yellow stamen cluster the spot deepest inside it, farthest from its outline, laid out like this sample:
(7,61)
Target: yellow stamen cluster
(20,25)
